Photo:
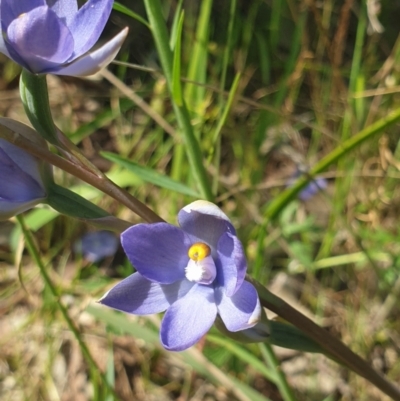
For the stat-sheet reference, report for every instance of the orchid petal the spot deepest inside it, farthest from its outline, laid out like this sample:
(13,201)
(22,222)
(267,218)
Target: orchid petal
(88,24)
(137,295)
(188,319)
(10,209)
(93,61)
(12,9)
(231,263)
(97,245)
(206,223)
(242,310)
(40,39)
(157,251)
(65,9)
(26,162)
(319,184)
(15,184)
(206,207)
(55,36)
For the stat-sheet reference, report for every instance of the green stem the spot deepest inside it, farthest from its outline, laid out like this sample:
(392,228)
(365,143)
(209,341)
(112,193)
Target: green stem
(197,66)
(160,34)
(30,243)
(35,98)
(227,53)
(271,359)
(334,348)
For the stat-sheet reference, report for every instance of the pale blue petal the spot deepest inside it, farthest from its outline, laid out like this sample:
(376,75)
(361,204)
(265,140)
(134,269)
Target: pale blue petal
(40,39)
(157,251)
(205,227)
(242,310)
(231,263)
(188,319)
(139,296)
(313,188)
(16,185)
(9,10)
(88,24)
(65,9)
(10,209)
(3,47)
(12,9)
(97,245)
(95,60)
(25,161)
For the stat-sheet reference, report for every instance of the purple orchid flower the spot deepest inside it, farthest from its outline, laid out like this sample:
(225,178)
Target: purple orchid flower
(97,245)
(195,273)
(316,185)
(54,36)
(23,177)
(311,189)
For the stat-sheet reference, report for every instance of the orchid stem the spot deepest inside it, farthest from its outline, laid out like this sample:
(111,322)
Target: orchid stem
(35,98)
(30,243)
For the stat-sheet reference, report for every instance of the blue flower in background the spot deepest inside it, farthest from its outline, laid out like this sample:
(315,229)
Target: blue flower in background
(54,36)
(22,176)
(97,245)
(312,188)
(195,273)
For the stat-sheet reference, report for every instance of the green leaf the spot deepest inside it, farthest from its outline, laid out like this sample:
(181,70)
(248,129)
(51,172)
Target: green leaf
(176,68)
(287,336)
(174,29)
(125,10)
(151,176)
(227,108)
(71,204)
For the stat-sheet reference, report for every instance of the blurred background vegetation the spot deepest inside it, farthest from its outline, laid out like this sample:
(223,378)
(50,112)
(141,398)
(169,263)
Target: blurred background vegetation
(272,86)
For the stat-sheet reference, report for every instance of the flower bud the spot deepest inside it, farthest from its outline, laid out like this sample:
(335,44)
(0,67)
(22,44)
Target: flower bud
(23,177)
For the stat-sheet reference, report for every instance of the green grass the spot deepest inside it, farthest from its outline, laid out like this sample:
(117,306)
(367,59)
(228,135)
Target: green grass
(252,91)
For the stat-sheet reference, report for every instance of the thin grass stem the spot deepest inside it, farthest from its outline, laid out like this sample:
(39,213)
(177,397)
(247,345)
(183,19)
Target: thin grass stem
(281,382)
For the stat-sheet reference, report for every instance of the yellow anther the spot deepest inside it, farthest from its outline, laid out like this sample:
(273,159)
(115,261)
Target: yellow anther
(199,251)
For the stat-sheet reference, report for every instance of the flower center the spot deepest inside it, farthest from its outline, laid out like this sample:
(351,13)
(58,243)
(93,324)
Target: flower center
(199,251)
(201,267)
